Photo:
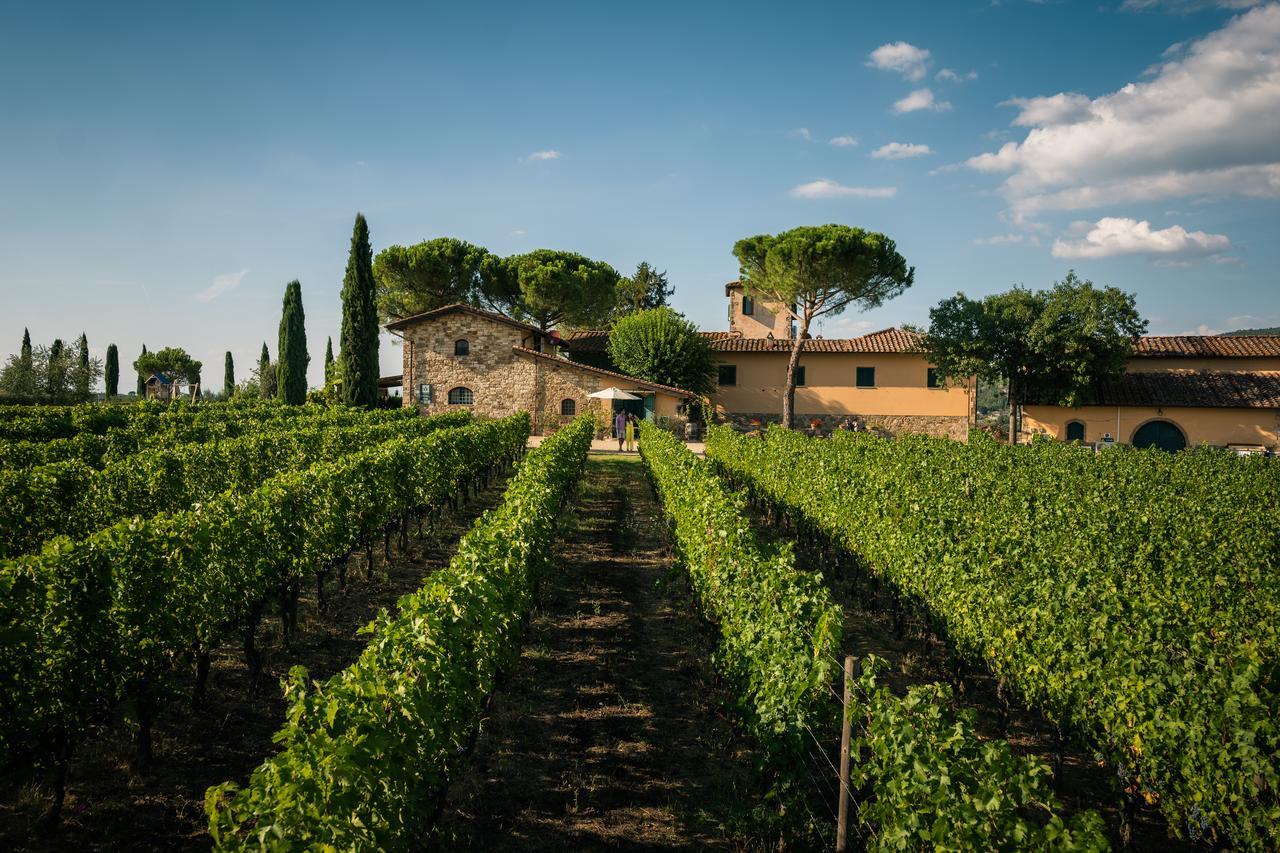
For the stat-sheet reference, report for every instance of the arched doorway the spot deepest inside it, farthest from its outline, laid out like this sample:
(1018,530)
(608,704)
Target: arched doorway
(1164,435)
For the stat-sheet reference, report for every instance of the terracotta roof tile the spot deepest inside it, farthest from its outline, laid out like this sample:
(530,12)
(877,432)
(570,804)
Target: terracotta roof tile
(564,362)
(1211,389)
(1208,346)
(884,341)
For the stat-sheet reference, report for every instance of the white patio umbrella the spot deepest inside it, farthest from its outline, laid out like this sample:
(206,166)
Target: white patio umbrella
(613,393)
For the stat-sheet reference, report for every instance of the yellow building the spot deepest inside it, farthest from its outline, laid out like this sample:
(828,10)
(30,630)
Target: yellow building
(884,380)
(1180,391)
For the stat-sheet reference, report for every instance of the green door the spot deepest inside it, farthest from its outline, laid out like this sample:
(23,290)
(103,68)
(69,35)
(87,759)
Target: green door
(650,403)
(1161,434)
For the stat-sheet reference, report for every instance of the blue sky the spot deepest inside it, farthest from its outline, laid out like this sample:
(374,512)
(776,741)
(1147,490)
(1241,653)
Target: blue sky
(167,168)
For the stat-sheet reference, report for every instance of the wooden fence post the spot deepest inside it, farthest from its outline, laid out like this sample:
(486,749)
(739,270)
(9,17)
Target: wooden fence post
(842,822)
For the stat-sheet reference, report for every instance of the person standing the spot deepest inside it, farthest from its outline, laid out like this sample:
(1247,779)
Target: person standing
(631,433)
(619,427)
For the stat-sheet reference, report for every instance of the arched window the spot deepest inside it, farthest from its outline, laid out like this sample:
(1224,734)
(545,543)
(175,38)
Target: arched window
(460,397)
(462,347)
(568,407)
(1075,431)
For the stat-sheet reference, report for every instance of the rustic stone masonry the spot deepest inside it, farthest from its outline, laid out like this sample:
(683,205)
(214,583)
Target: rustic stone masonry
(942,426)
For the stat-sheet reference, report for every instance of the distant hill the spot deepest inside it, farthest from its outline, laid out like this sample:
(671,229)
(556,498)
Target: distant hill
(1274,330)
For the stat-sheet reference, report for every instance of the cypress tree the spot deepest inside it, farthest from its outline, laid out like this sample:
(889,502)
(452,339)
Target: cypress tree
(328,361)
(28,385)
(266,377)
(358,355)
(82,368)
(291,366)
(228,375)
(112,371)
(142,380)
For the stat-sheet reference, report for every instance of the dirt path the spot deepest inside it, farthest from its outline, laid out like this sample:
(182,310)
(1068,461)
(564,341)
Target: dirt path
(110,808)
(610,734)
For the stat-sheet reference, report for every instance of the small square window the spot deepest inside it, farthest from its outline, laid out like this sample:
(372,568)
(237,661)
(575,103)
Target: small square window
(799,375)
(932,380)
(728,374)
(866,377)
(748,306)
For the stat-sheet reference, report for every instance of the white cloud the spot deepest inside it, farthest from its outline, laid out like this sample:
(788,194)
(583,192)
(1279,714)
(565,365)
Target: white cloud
(800,133)
(1206,125)
(843,141)
(224,283)
(1112,236)
(549,154)
(1203,331)
(920,99)
(519,232)
(1062,108)
(906,59)
(823,188)
(946,75)
(900,151)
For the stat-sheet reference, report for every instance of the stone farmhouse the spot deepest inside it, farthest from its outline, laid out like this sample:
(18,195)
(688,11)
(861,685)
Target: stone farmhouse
(458,356)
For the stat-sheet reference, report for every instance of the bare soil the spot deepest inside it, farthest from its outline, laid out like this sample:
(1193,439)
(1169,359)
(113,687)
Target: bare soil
(110,808)
(612,732)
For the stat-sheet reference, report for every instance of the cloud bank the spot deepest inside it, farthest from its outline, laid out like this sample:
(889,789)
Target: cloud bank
(1205,124)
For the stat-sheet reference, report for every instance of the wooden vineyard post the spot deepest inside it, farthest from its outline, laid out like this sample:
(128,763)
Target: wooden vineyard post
(842,821)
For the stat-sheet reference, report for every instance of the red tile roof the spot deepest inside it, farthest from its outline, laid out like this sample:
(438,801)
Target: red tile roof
(468,309)
(885,341)
(1207,346)
(1211,389)
(574,365)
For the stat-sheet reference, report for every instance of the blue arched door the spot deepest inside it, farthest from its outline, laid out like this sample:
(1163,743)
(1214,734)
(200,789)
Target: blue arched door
(1161,434)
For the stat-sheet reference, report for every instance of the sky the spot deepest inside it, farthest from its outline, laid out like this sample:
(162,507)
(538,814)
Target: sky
(165,169)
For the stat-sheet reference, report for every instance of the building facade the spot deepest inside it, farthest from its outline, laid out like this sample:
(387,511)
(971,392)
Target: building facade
(1180,391)
(884,380)
(459,357)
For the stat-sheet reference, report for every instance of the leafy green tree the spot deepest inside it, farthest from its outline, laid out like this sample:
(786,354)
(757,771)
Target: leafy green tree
(112,371)
(358,354)
(820,270)
(328,362)
(548,287)
(20,377)
(228,375)
(172,362)
(142,380)
(427,275)
(265,375)
(1048,346)
(661,346)
(291,371)
(57,372)
(644,290)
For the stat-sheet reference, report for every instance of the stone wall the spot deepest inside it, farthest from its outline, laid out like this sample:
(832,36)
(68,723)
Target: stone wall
(560,382)
(942,426)
(501,383)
